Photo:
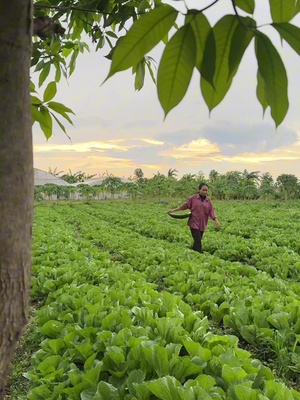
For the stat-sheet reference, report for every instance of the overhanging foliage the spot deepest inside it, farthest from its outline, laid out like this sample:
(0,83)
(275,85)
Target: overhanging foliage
(131,29)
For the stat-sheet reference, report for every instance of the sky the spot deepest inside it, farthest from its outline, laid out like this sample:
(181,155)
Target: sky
(117,129)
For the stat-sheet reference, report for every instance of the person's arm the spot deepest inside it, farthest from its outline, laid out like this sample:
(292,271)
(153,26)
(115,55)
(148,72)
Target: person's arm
(183,207)
(217,222)
(214,217)
(173,210)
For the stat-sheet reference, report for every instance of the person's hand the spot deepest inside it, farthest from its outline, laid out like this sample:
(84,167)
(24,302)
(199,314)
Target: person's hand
(217,224)
(170,212)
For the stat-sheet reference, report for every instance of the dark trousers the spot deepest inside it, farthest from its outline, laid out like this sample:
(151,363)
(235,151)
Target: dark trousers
(197,236)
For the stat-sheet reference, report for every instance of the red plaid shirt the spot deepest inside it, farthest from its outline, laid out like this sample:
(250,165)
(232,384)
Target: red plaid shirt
(200,212)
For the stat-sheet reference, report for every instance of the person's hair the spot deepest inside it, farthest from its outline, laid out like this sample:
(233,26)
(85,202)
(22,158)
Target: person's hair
(203,184)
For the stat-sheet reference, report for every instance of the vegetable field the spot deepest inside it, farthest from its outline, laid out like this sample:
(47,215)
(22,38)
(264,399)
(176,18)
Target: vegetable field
(128,311)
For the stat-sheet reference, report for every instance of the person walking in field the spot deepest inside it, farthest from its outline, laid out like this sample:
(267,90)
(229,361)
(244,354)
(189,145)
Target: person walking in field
(201,209)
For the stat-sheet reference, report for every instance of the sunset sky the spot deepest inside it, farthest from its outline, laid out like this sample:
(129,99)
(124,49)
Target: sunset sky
(117,130)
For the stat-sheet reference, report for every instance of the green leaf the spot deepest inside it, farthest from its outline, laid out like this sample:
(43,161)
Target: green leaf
(201,28)
(241,39)
(40,393)
(279,320)
(60,125)
(206,381)
(39,66)
(55,47)
(61,109)
(166,388)
(111,34)
(150,70)
(93,376)
(183,367)
(261,93)
(273,73)
(277,390)
(208,63)
(35,100)
(282,10)
(157,357)
(196,350)
(32,87)
(290,33)
(51,328)
(176,68)
(139,75)
(87,394)
(72,63)
(233,374)
(244,392)
(46,125)
(58,71)
(56,345)
(249,333)
(144,34)
(44,74)
(84,350)
(35,114)
(223,31)
(135,378)
(246,5)
(106,391)
(50,91)
(49,364)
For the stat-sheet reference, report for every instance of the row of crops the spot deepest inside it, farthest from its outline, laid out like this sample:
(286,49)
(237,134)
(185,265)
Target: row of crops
(130,312)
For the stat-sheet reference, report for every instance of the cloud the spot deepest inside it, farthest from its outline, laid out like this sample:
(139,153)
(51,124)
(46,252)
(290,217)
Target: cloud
(83,147)
(199,150)
(179,137)
(143,155)
(239,138)
(152,142)
(140,124)
(232,138)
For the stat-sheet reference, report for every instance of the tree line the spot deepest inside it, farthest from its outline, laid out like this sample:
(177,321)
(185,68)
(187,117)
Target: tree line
(232,185)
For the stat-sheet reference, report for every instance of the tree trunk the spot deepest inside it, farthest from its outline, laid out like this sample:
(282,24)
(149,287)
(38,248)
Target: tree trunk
(16,176)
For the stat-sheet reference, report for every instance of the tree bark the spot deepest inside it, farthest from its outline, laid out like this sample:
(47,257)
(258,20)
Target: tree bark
(16,176)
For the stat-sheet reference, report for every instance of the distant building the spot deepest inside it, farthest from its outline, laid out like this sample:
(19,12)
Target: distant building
(98,181)
(43,177)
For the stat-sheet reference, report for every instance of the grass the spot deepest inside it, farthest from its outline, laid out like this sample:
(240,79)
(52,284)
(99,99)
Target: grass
(17,385)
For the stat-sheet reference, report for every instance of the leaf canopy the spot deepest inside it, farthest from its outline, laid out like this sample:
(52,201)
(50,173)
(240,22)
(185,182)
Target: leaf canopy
(131,29)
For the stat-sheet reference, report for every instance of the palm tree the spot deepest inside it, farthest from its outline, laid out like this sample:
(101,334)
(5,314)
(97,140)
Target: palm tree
(213,176)
(233,180)
(78,176)
(288,184)
(86,191)
(187,185)
(267,186)
(248,184)
(132,189)
(172,173)
(113,184)
(54,171)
